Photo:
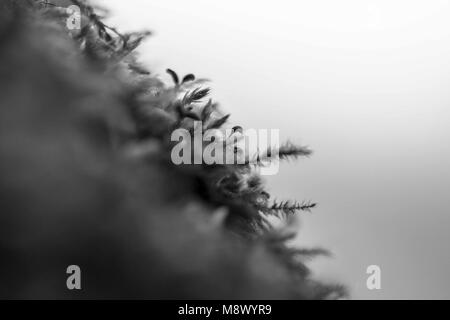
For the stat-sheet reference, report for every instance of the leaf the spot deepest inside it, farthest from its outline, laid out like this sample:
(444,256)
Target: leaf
(219,122)
(198,94)
(133,40)
(188,77)
(289,150)
(237,129)
(174,76)
(291,207)
(207,110)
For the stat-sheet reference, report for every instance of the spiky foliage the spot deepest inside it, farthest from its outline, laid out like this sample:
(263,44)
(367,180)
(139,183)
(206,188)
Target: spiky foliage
(87,177)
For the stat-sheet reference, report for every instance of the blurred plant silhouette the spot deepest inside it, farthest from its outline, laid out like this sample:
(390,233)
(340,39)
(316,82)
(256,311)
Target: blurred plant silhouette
(87,177)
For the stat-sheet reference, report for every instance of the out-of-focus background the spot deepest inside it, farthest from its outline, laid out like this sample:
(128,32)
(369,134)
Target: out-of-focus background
(366,84)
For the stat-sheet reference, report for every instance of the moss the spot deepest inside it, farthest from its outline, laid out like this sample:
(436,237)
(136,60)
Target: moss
(87,177)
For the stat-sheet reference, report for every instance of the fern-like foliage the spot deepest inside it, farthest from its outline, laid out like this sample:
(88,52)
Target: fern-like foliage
(192,231)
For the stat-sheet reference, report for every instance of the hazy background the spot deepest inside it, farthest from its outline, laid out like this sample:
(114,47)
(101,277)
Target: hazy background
(366,85)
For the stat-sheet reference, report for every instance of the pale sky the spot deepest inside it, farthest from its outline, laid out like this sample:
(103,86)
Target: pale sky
(366,85)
